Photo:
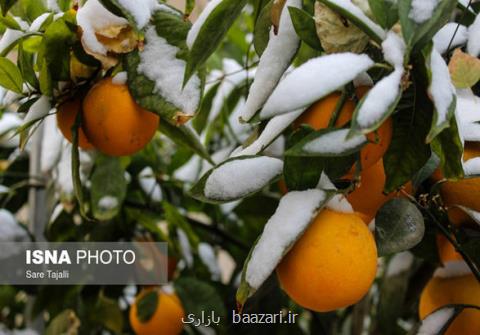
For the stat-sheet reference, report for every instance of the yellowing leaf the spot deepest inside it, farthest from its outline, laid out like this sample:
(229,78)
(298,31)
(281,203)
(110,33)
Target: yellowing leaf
(464,69)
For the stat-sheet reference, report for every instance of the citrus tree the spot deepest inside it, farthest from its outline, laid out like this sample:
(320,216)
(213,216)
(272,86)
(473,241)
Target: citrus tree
(317,160)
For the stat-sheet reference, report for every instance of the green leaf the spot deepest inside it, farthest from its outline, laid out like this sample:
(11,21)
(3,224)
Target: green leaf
(66,322)
(45,80)
(263,25)
(385,12)
(77,183)
(10,22)
(116,8)
(109,187)
(58,39)
(212,33)
(184,136)
(5,5)
(200,121)
(10,76)
(418,35)
(147,306)
(25,63)
(449,147)
(198,296)
(304,25)
(189,6)
(176,220)
(364,23)
(107,312)
(399,226)
(408,152)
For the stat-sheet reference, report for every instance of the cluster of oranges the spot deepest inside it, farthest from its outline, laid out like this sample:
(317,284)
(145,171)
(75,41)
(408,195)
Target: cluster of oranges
(112,122)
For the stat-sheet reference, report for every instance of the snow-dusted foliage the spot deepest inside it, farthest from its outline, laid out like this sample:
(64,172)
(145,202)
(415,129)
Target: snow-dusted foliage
(293,215)
(276,58)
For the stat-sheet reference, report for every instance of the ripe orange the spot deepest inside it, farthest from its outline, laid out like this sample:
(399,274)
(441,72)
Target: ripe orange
(114,122)
(332,265)
(66,116)
(166,318)
(319,114)
(457,290)
(369,197)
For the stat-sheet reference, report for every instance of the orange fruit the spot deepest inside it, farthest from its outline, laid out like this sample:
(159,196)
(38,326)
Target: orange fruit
(66,117)
(368,197)
(114,122)
(457,290)
(319,114)
(332,265)
(166,319)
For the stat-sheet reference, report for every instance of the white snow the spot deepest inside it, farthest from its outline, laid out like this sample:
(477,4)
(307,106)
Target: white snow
(468,114)
(207,256)
(360,15)
(394,49)
(334,143)
(442,38)
(53,5)
(160,64)
(4,189)
(363,79)
(120,78)
(12,35)
(338,202)
(452,269)
(38,110)
(238,178)
(292,217)
(422,10)
(274,61)
(9,122)
(149,185)
(185,247)
(141,10)
(197,26)
(400,263)
(38,22)
(277,148)
(241,131)
(272,130)
(189,172)
(441,88)
(473,45)
(10,231)
(92,18)
(52,142)
(62,175)
(379,99)
(108,203)
(472,167)
(314,80)
(433,324)
(217,157)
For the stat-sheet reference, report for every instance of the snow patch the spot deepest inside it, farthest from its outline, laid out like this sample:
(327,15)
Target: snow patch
(422,10)
(274,61)
(160,64)
(39,21)
(10,231)
(472,167)
(334,143)
(207,256)
(38,110)
(108,203)
(452,269)
(400,263)
(292,217)
(473,46)
(314,80)
(141,10)
(441,88)
(394,49)
(51,145)
(197,26)
(238,178)
(433,324)
(149,185)
(120,78)
(185,247)
(444,36)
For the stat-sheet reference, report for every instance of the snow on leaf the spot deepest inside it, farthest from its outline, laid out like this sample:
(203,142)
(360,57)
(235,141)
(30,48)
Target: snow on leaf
(207,256)
(328,143)
(160,64)
(196,27)
(472,167)
(149,184)
(435,322)
(272,130)
(422,10)
(53,140)
(141,10)
(464,69)
(394,49)
(468,114)
(473,45)
(292,217)
(452,269)
(39,110)
(442,92)
(237,178)
(276,58)
(356,15)
(444,36)
(400,263)
(314,80)
(120,78)
(379,103)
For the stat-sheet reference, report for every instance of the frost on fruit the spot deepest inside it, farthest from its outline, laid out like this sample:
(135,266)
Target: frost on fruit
(238,178)
(292,217)
(336,33)
(276,58)
(314,80)
(435,322)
